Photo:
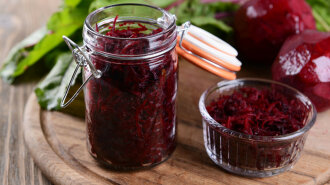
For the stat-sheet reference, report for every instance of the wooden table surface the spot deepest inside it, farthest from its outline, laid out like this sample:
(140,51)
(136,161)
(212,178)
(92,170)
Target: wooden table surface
(18,18)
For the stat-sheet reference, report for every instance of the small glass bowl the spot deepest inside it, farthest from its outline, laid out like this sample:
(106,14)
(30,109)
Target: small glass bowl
(248,155)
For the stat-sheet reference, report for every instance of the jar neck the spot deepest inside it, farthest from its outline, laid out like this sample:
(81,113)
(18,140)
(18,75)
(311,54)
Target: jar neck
(96,41)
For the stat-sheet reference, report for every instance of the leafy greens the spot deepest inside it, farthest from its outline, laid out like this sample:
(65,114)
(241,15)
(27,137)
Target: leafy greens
(46,44)
(65,22)
(51,90)
(321,12)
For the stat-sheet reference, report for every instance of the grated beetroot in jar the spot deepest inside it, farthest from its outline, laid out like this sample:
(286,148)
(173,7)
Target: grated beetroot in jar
(258,112)
(131,109)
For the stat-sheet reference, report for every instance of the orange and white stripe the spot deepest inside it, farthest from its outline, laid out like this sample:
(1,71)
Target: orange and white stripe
(214,54)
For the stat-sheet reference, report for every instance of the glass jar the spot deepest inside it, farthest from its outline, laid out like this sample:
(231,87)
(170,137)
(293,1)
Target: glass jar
(130,86)
(251,155)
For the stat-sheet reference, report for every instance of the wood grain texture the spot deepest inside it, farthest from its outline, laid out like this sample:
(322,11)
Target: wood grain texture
(18,18)
(57,142)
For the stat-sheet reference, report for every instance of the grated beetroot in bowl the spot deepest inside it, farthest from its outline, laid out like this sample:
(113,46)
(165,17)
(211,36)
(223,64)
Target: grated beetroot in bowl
(258,112)
(130,110)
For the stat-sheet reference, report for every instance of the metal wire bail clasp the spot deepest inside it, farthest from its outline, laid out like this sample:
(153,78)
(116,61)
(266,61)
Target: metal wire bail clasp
(185,26)
(82,61)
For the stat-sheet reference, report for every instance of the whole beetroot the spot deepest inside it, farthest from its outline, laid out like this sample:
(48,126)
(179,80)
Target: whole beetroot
(304,63)
(261,26)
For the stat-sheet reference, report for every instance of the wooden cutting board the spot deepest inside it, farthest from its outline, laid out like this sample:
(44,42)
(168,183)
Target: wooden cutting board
(57,143)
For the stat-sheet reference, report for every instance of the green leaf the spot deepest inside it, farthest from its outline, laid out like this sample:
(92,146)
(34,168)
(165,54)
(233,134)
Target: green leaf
(204,21)
(72,3)
(321,12)
(202,15)
(101,3)
(51,90)
(162,3)
(19,52)
(66,22)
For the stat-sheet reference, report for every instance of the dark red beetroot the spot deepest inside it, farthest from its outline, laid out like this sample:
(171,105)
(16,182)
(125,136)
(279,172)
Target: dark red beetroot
(261,26)
(304,63)
(258,112)
(130,110)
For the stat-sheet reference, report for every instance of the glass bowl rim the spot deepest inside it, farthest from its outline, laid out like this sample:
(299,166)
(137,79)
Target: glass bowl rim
(90,15)
(220,128)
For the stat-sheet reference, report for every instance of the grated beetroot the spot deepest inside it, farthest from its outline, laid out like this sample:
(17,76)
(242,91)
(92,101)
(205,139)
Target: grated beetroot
(131,109)
(261,114)
(258,112)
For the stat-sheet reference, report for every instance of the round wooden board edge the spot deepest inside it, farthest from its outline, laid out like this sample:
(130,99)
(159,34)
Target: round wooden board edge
(45,158)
